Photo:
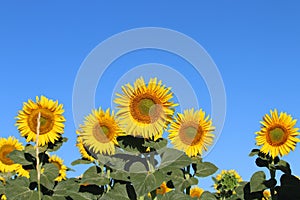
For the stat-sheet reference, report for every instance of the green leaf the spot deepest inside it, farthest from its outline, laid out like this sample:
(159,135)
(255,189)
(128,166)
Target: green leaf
(47,177)
(284,167)
(18,188)
(257,182)
(261,162)
(120,175)
(81,196)
(80,161)
(1,188)
(173,159)
(158,144)
(18,157)
(64,187)
(146,182)
(70,188)
(240,190)
(93,176)
(254,152)
(57,144)
(205,169)
(115,162)
(30,150)
(132,144)
(118,192)
(207,196)
(46,197)
(180,181)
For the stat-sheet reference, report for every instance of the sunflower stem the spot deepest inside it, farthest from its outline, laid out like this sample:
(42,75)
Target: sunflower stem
(152,161)
(37,155)
(188,170)
(272,189)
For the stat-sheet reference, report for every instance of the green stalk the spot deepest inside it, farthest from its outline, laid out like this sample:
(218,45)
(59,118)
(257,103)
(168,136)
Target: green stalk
(38,169)
(272,189)
(152,162)
(188,189)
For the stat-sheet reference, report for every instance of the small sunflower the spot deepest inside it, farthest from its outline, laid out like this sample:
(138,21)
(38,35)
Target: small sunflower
(51,120)
(226,182)
(278,135)
(196,192)
(83,151)
(7,146)
(266,195)
(191,132)
(145,110)
(3,197)
(163,189)
(100,131)
(58,162)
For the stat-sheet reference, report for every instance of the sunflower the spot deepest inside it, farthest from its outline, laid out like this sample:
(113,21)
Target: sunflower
(58,162)
(278,134)
(51,120)
(266,195)
(163,189)
(196,192)
(145,110)
(226,181)
(7,146)
(83,151)
(100,131)
(3,197)
(191,132)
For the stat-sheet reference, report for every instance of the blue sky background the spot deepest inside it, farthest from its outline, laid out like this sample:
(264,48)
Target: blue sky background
(255,45)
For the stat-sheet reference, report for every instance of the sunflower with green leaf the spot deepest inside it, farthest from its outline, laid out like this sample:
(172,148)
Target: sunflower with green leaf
(191,132)
(51,120)
(226,182)
(99,132)
(145,109)
(196,192)
(278,135)
(58,162)
(8,145)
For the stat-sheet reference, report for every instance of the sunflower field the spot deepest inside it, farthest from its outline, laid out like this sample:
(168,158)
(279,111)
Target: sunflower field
(128,156)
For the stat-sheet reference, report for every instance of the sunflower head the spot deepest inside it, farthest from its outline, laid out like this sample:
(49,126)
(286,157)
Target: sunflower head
(163,189)
(227,181)
(278,135)
(100,131)
(58,162)
(191,132)
(83,151)
(145,109)
(266,195)
(6,147)
(51,120)
(196,192)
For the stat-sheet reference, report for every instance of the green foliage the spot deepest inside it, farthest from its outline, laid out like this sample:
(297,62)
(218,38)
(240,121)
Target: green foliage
(181,180)
(81,161)
(205,169)
(208,196)
(257,182)
(94,176)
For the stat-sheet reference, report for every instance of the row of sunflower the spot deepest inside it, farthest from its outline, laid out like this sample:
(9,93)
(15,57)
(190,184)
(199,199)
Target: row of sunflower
(128,157)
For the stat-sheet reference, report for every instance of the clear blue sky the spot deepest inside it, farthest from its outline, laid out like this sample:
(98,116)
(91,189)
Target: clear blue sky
(255,46)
